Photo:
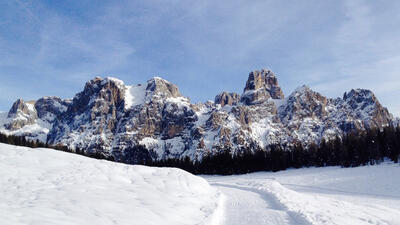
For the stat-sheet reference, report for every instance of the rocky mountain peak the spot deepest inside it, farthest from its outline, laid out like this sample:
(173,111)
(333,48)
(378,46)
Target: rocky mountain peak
(33,119)
(271,83)
(260,86)
(20,106)
(304,89)
(21,114)
(99,83)
(92,115)
(50,107)
(98,91)
(364,103)
(359,95)
(303,103)
(227,98)
(361,99)
(162,88)
(256,80)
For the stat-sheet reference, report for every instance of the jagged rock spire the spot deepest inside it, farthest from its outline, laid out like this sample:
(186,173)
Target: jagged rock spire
(260,86)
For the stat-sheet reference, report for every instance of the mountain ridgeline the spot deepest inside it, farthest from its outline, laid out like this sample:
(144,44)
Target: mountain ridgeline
(154,122)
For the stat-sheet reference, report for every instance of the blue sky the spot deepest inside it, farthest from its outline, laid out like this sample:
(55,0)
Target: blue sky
(54,47)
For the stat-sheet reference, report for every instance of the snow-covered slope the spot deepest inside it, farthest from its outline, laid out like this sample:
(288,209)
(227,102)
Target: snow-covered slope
(44,186)
(110,119)
(329,196)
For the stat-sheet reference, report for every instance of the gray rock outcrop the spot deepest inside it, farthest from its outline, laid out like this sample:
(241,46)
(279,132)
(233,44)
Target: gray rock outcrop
(260,86)
(227,98)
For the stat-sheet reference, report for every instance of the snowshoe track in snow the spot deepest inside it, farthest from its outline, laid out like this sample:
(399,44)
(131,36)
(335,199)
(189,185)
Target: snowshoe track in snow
(245,205)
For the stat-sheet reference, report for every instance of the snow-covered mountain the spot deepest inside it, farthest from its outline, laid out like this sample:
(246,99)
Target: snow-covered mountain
(109,118)
(33,119)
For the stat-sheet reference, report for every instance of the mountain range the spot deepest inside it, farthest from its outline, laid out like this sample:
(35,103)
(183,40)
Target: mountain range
(110,118)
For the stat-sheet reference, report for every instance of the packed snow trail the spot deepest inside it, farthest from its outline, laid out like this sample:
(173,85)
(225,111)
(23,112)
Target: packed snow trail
(318,196)
(245,206)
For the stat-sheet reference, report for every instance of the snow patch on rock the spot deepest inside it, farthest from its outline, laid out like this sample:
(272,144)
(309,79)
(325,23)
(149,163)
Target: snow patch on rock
(135,95)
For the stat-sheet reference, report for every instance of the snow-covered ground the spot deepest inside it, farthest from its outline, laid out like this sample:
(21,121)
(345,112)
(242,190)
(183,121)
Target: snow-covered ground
(43,186)
(331,195)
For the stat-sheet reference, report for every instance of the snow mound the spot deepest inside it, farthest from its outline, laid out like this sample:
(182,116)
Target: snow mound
(44,186)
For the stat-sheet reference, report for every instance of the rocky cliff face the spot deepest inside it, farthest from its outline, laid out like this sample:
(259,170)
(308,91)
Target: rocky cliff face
(21,114)
(226,98)
(261,86)
(33,119)
(50,108)
(110,118)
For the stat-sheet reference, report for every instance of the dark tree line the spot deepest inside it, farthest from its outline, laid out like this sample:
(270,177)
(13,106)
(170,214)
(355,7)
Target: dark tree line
(369,147)
(355,149)
(23,141)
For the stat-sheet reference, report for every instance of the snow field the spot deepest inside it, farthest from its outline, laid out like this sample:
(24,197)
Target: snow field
(44,186)
(331,195)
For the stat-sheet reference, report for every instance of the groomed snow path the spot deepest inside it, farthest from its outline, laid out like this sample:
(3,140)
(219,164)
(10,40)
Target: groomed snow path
(318,196)
(246,206)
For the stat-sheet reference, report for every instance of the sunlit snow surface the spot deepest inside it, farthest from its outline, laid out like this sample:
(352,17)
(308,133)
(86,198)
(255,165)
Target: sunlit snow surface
(135,95)
(43,186)
(331,195)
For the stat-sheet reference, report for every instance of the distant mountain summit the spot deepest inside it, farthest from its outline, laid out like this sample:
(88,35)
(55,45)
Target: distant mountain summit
(261,86)
(110,118)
